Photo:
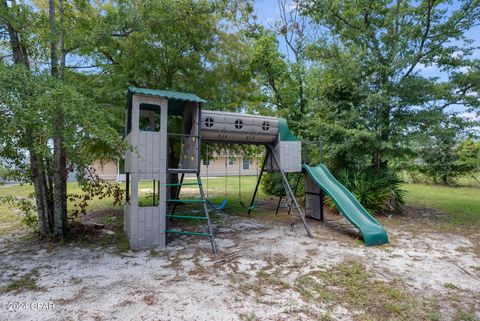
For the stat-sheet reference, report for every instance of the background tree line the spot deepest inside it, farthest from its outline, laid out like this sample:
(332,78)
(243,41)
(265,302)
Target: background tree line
(349,76)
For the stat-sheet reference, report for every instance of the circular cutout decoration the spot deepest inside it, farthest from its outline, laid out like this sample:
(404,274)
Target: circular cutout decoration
(238,124)
(266,126)
(209,122)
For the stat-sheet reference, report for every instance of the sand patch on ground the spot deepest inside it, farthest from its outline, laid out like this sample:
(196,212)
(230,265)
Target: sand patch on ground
(253,277)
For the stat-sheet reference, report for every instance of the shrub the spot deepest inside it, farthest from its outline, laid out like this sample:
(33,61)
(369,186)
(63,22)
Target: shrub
(272,184)
(377,190)
(3,171)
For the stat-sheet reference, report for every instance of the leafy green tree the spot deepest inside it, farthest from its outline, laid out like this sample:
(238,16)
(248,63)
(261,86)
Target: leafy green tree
(66,117)
(367,89)
(440,154)
(283,76)
(469,158)
(181,45)
(269,64)
(439,162)
(50,127)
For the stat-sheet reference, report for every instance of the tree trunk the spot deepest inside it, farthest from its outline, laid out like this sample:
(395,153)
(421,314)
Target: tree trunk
(62,40)
(301,93)
(63,54)
(59,181)
(383,135)
(37,168)
(53,39)
(19,52)
(59,161)
(41,207)
(445,179)
(47,195)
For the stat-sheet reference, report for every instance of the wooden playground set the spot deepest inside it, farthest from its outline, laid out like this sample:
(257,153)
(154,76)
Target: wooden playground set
(157,120)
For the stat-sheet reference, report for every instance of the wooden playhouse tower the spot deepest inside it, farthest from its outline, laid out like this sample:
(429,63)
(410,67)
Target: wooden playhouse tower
(148,115)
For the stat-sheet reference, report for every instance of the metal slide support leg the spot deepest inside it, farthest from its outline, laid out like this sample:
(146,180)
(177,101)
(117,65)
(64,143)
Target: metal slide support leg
(280,200)
(278,205)
(295,191)
(205,209)
(321,204)
(322,200)
(288,191)
(258,181)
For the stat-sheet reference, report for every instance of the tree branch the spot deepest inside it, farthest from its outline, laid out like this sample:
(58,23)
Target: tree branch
(87,67)
(425,34)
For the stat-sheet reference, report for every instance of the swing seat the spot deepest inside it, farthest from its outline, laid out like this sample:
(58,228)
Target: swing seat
(219,207)
(254,205)
(223,204)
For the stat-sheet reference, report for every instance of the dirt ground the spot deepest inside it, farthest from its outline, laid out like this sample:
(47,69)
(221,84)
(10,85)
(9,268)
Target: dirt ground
(266,270)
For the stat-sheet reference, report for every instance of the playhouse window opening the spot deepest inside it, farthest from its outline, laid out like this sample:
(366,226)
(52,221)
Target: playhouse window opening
(148,193)
(129,120)
(128,188)
(238,124)
(209,122)
(176,142)
(266,126)
(149,118)
(121,165)
(175,124)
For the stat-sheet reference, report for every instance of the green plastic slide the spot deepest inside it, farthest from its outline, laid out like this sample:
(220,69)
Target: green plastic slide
(372,231)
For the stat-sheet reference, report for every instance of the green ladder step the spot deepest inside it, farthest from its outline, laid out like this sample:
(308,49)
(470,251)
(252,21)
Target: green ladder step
(186,201)
(181,184)
(187,233)
(192,212)
(187,217)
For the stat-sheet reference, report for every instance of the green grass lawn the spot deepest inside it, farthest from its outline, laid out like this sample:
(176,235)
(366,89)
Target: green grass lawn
(10,219)
(463,203)
(216,189)
(469,180)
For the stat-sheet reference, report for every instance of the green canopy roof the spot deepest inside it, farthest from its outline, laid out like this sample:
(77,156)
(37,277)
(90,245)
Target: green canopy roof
(176,100)
(167,94)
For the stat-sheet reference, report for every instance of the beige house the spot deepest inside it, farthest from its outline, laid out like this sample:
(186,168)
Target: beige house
(230,166)
(108,170)
(235,165)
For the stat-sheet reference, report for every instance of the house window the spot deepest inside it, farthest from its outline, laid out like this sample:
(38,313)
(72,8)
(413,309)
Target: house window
(231,161)
(149,118)
(246,164)
(206,163)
